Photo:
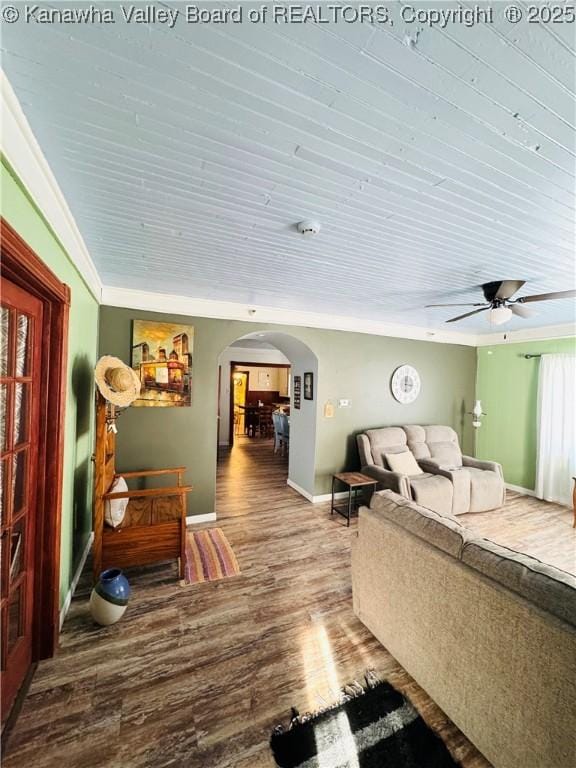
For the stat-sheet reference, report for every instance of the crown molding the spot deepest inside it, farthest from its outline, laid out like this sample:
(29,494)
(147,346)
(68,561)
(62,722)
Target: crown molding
(251,313)
(24,154)
(565,330)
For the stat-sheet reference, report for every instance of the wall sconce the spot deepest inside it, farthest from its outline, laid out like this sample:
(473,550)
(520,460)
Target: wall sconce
(477,414)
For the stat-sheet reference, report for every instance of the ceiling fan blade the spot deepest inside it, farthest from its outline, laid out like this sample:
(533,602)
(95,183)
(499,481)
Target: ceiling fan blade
(546,296)
(508,288)
(521,311)
(461,317)
(501,289)
(469,304)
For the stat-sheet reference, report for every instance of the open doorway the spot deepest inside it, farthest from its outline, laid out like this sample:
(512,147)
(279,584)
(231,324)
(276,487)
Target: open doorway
(238,392)
(262,420)
(258,390)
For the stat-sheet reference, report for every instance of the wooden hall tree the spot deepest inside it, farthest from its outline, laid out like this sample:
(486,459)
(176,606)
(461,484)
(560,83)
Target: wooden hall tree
(154,526)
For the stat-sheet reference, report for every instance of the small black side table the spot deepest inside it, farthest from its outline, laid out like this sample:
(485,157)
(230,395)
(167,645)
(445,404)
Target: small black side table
(354,481)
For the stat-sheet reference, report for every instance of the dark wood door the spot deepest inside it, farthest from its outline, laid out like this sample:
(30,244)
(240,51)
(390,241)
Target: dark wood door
(20,356)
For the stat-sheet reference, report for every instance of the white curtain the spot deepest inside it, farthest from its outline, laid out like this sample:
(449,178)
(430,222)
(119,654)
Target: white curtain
(556,462)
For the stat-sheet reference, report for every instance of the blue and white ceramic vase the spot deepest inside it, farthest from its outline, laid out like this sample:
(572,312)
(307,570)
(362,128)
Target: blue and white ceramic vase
(109,597)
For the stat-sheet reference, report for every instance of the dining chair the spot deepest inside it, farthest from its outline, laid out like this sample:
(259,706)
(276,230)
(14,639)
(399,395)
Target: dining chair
(284,433)
(277,422)
(266,423)
(252,420)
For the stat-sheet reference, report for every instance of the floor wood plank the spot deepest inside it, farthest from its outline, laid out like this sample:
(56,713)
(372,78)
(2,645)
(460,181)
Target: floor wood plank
(198,676)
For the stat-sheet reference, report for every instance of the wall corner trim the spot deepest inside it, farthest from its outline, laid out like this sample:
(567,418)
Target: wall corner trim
(27,159)
(301,491)
(75,579)
(210,517)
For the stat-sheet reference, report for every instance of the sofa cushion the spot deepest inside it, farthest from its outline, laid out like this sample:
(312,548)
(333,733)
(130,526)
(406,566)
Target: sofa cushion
(416,438)
(404,463)
(443,445)
(435,442)
(386,440)
(441,531)
(547,587)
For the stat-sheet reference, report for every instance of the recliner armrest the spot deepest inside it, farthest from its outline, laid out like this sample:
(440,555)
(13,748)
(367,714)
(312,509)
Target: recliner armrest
(435,468)
(487,466)
(393,481)
(428,465)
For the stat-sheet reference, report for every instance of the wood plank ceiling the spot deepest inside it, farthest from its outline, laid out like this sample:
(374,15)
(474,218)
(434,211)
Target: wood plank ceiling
(435,159)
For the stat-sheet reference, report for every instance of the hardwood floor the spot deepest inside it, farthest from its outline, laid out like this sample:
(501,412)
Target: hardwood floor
(536,527)
(199,676)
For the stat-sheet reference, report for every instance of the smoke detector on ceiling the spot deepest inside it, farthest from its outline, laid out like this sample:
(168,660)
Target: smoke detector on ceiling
(308,228)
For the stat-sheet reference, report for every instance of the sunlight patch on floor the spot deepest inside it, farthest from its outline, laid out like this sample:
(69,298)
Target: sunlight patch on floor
(323,687)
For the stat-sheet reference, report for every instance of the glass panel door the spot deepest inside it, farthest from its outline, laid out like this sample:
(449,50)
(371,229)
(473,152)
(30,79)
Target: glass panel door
(20,337)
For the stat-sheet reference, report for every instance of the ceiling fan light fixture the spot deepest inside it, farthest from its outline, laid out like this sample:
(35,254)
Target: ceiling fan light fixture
(498,295)
(500,315)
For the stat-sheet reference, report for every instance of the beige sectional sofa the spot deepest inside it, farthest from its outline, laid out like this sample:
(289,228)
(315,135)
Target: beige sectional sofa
(489,633)
(448,482)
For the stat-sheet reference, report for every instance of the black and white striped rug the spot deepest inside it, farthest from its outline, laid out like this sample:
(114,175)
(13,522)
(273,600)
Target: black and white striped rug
(373,727)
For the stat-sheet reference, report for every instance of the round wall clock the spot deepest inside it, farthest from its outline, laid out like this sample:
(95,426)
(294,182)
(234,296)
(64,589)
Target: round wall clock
(405,384)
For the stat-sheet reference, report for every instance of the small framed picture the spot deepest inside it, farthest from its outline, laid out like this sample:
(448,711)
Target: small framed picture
(309,386)
(297,391)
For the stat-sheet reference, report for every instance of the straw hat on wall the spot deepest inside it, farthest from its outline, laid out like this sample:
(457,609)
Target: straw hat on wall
(117,382)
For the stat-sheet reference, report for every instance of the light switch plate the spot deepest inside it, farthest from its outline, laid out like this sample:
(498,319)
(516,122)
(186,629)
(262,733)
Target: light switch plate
(344,403)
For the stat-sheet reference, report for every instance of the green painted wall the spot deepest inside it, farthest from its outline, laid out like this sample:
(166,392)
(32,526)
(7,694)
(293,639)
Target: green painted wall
(19,210)
(507,384)
(351,365)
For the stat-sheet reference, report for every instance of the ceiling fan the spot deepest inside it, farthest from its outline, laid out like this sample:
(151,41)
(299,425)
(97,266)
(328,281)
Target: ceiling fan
(502,306)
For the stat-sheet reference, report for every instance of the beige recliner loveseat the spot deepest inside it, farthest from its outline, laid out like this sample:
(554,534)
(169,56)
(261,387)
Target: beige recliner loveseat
(448,482)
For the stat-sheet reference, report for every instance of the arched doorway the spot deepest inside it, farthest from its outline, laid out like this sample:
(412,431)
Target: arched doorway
(279,349)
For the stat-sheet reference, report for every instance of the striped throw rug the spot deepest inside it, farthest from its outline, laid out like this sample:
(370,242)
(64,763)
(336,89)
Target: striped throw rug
(209,557)
(373,726)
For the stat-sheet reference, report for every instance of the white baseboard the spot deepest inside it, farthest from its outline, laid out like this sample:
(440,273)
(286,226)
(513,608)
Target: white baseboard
(328,497)
(527,492)
(210,517)
(75,579)
(519,489)
(316,499)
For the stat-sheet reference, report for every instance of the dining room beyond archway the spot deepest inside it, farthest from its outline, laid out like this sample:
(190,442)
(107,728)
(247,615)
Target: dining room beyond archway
(267,399)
